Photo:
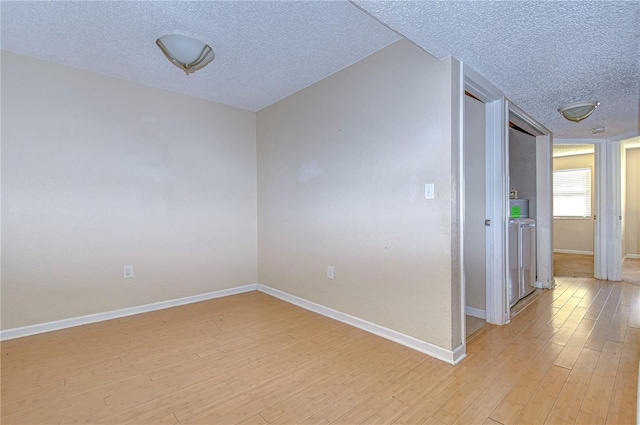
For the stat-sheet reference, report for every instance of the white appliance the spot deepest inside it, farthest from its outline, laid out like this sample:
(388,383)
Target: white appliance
(522,258)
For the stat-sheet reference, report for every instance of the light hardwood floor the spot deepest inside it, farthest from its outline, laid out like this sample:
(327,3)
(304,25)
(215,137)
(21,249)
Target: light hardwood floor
(570,357)
(576,265)
(573,265)
(631,271)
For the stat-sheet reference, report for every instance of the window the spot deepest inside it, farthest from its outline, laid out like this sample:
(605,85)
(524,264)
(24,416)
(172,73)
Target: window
(572,193)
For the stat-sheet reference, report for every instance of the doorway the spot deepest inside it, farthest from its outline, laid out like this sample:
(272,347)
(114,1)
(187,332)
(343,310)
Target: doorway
(498,112)
(575,194)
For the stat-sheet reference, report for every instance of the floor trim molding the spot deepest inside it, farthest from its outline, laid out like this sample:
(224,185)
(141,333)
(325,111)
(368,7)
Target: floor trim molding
(453,357)
(114,314)
(475,312)
(572,251)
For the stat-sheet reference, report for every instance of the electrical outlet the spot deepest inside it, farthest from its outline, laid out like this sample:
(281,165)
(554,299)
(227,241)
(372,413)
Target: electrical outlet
(329,272)
(128,272)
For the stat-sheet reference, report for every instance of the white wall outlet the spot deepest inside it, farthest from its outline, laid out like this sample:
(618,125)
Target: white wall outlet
(329,272)
(429,191)
(128,272)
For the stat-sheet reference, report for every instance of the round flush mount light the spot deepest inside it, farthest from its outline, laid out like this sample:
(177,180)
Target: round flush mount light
(578,111)
(188,54)
(598,130)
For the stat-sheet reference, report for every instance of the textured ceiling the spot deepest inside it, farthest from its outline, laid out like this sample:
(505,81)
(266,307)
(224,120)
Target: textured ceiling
(264,50)
(541,54)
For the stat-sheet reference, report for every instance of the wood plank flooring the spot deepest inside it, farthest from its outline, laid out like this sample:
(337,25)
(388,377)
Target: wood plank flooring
(577,265)
(631,270)
(573,265)
(569,357)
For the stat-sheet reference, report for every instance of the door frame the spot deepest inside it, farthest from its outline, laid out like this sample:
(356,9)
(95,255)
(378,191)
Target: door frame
(613,229)
(601,222)
(497,110)
(544,192)
(496,302)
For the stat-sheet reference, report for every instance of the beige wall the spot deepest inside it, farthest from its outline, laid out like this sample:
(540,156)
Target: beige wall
(98,173)
(632,213)
(575,234)
(341,171)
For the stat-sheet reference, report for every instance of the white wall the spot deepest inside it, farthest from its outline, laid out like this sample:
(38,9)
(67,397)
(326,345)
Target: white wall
(98,173)
(575,234)
(632,212)
(341,169)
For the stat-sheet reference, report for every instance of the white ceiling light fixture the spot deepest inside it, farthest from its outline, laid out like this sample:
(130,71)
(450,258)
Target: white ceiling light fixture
(578,111)
(188,54)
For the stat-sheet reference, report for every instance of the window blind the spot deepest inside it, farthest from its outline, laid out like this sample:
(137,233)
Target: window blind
(572,193)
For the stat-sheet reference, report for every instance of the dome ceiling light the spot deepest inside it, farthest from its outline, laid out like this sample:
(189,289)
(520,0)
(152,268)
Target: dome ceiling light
(188,54)
(578,111)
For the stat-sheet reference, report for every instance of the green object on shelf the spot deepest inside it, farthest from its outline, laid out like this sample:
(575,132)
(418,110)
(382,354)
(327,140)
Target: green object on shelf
(515,212)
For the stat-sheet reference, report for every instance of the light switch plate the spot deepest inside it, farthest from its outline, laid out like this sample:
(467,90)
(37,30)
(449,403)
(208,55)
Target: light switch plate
(429,191)
(127,272)
(329,272)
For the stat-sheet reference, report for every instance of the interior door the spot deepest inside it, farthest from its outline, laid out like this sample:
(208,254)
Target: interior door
(475,231)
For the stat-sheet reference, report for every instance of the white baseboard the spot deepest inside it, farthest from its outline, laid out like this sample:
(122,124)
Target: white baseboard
(114,314)
(454,356)
(572,251)
(634,256)
(475,312)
